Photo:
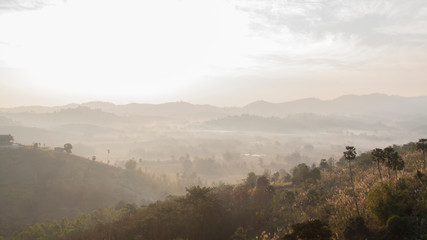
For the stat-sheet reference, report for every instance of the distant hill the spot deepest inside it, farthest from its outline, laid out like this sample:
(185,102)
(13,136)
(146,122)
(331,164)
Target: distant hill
(37,109)
(36,185)
(373,104)
(79,114)
(171,109)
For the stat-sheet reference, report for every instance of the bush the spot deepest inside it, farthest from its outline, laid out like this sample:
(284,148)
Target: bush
(310,230)
(356,229)
(385,200)
(398,227)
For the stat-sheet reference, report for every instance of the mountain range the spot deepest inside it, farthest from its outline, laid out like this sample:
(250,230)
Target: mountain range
(93,127)
(373,104)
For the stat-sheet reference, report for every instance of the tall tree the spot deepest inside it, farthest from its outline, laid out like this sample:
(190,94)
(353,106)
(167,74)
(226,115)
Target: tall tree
(422,146)
(388,155)
(396,163)
(379,157)
(393,160)
(350,154)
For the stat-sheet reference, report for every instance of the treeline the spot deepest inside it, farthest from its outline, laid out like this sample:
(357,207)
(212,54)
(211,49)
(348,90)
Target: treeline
(52,229)
(354,198)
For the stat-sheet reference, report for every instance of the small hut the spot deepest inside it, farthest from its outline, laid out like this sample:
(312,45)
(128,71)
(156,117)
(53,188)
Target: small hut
(6,139)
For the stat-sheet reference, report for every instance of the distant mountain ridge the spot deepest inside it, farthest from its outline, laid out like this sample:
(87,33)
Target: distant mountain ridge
(372,104)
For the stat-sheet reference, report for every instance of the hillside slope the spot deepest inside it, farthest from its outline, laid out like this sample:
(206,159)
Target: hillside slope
(36,185)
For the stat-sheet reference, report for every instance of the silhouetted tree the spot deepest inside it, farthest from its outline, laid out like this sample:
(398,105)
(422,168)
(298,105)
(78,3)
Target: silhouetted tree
(350,155)
(262,182)
(422,146)
(394,160)
(131,165)
(379,157)
(323,164)
(388,154)
(398,164)
(68,147)
(129,209)
(251,179)
(303,174)
(263,194)
(300,173)
(275,177)
(315,174)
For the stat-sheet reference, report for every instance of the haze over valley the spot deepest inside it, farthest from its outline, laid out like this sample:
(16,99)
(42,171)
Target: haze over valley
(220,143)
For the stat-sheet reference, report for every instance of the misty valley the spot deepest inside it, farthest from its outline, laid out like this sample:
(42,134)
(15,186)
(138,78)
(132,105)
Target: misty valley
(182,171)
(220,144)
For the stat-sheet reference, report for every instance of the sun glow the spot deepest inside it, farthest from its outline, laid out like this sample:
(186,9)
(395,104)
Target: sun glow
(195,50)
(133,48)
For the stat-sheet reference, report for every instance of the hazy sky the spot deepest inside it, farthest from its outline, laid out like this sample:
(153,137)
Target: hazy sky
(222,52)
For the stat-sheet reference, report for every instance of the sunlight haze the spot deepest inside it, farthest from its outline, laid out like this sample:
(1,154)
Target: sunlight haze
(218,52)
(213,119)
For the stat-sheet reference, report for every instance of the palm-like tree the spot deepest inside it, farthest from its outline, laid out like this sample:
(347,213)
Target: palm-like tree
(422,146)
(350,154)
(379,157)
(393,160)
(388,154)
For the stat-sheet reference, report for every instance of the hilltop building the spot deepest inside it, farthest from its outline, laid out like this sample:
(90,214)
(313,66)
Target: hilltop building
(6,139)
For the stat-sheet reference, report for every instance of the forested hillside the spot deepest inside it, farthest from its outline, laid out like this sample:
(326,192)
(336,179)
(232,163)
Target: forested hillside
(38,184)
(380,194)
